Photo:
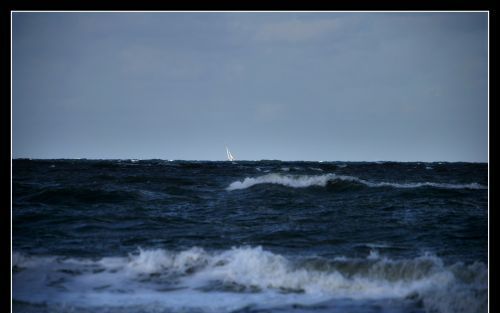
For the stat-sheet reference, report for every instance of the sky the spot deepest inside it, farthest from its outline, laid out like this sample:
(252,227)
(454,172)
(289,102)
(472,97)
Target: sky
(329,86)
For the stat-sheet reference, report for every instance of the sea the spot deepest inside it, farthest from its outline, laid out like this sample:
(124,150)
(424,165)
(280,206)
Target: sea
(267,236)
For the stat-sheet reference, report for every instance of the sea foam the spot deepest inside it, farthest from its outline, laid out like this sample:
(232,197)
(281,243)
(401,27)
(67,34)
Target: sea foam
(224,281)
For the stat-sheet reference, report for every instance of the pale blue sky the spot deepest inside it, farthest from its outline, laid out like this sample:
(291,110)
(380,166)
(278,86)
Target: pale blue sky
(290,86)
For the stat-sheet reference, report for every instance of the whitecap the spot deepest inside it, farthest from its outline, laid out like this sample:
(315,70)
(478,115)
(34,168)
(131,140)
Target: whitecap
(316,169)
(304,181)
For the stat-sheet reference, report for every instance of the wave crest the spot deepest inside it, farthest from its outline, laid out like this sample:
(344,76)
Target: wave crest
(195,276)
(304,181)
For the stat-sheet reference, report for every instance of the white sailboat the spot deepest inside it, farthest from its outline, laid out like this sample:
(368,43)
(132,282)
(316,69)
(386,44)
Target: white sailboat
(230,157)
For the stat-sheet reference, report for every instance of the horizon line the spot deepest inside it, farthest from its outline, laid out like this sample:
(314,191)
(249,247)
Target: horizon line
(242,160)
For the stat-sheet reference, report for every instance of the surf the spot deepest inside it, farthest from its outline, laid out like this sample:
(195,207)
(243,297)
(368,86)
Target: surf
(227,280)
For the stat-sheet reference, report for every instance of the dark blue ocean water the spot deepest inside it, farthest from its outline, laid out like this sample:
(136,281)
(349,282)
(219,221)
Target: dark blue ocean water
(263,236)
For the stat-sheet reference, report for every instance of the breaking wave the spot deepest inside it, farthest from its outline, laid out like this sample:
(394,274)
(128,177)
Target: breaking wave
(232,279)
(304,181)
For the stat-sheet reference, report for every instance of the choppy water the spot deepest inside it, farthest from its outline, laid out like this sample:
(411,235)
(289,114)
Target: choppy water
(266,236)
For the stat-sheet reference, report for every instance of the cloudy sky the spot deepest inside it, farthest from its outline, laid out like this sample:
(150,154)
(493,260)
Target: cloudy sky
(289,86)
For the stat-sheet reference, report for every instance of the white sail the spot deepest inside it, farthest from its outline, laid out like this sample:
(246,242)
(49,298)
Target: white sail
(230,157)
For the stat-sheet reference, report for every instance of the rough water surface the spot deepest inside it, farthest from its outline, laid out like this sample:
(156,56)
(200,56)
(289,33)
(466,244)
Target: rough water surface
(249,236)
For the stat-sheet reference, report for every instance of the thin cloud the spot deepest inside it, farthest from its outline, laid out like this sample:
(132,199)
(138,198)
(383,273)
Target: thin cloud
(295,30)
(143,61)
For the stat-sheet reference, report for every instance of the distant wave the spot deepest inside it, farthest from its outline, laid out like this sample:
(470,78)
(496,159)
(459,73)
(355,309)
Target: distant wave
(195,279)
(81,195)
(303,181)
